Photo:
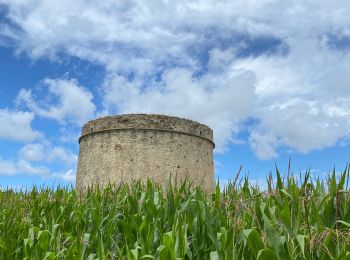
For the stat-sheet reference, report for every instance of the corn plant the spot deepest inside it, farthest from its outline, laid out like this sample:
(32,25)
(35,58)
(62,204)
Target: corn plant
(295,218)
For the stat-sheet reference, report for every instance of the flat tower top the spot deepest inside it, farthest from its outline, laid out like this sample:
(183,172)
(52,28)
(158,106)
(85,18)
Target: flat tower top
(148,121)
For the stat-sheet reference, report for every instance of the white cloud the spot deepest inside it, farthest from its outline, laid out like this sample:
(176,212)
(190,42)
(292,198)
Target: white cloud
(69,134)
(68,176)
(209,60)
(302,105)
(210,99)
(63,155)
(73,102)
(48,153)
(264,145)
(23,167)
(33,152)
(11,168)
(16,125)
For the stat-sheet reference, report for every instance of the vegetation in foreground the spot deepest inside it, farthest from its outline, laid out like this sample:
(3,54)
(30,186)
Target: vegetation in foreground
(294,219)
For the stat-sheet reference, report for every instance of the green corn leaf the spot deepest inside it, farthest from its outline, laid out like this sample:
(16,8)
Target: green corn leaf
(301,242)
(163,252)
(333,184)
(272,234)
(285,193)
(344,223)
(44,239)
(254,240)
(279,185)
(169,243)
(49,256)
(214,255)
(342,179)
(267,254)
(302,221)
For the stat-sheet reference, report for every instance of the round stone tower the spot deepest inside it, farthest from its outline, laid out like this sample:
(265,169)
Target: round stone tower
(120,149)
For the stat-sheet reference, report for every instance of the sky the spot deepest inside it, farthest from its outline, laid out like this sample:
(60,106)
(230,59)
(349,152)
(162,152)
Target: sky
(271,78)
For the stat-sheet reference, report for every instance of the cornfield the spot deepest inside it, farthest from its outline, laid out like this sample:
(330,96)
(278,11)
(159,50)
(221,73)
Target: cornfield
(295,218)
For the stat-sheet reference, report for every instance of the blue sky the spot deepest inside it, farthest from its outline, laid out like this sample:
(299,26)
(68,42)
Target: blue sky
(271,78)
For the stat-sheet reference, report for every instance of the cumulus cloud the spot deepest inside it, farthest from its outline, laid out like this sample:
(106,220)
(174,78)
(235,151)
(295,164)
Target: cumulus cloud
(68,176)
(22,167)
(16,125)
(284,64)
(63,155)
(48,153)
(210,99)
(37,159)
(73,102)
(301,125)
(44,154)
(263,144)
(303,104)
(33,152)
(16,167)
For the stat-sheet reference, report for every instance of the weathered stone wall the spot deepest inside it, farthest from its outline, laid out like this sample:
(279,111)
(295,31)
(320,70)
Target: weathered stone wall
(139,146)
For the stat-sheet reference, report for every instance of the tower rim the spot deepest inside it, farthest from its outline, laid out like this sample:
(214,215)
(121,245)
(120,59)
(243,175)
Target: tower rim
(148,122)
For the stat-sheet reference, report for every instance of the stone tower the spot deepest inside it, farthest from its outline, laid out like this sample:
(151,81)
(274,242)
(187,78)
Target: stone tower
(139,146)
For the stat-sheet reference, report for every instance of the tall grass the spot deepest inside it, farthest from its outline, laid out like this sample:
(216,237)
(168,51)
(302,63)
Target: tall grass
(293,219)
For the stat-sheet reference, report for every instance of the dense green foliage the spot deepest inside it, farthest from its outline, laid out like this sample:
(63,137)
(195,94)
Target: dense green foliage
(293,219)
